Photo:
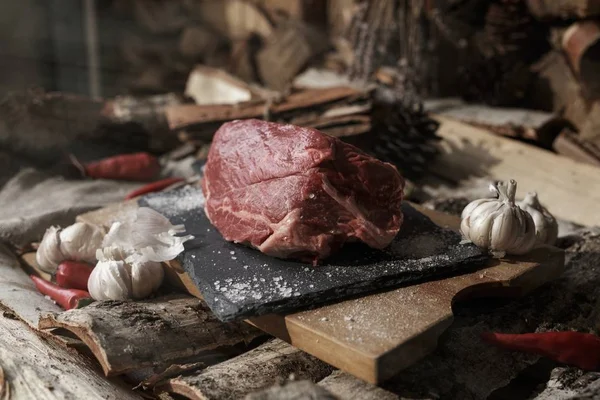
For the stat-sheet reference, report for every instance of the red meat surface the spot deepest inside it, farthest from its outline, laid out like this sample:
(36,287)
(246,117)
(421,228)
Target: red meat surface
(295,192)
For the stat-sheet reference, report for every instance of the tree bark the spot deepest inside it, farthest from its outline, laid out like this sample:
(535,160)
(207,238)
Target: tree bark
(127,336)
(345,386)
(268,364)
(35,368)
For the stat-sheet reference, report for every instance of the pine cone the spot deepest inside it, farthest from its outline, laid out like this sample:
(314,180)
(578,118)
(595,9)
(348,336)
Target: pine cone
(405,136)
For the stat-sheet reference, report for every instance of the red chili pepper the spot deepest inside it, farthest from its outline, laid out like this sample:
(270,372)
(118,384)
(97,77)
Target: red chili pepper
(581,350)
(129,167)
(154,187)
(66,298)
(73,275)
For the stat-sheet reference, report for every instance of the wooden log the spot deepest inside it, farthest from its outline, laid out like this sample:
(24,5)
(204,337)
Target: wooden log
(257,369)
(557,89)
(188,116)
(563,9)
(345,386)
(339,15)
(581,44)
(241,62)
(214,86)
(590,129)
(126,336)
(17,292)
(234,19)
(197,41)
(571,145)
(293,391)
(287,52)
(36,368)
(159,16)
(470,153)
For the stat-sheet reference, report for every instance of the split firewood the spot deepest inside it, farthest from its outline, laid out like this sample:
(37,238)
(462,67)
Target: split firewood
(556,89)
(140,50)
(590,129)
(581,44)
(571,145)
(345,386)
(287,52)
(564,9)
(266,365)
(214,86)
(34,121)
(241,62)
(126,336)
(195,117)
(35,368)
(537,127)
(198,41)
(18,293)
(159,16)
(294,391)
(339,14)
(234,19)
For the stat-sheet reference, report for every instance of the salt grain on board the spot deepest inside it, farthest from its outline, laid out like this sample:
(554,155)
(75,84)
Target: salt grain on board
(186,199)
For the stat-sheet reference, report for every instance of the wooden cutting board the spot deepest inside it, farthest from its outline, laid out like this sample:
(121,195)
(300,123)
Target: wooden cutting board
(376,336)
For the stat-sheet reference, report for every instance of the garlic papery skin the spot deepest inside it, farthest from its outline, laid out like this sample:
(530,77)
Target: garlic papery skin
(150,234)
(499,225)
(546,227)
(125,280)
(80,241)
(129,262)
(49,254)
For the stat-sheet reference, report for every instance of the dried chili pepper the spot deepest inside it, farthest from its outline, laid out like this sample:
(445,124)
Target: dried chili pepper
(578,349)
(66,298)
(130,167)
(73,275)
(154,187)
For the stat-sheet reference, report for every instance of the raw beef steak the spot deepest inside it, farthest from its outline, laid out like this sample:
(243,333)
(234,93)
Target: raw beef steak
(295,192)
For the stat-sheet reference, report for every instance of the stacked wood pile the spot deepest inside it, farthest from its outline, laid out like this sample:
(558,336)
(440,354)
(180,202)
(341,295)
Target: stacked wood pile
(264,41)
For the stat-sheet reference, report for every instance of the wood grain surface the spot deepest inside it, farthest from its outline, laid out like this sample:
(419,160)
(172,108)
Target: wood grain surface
(569,189)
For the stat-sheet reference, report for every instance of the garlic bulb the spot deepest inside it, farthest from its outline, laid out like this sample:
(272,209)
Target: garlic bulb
(80,241)
(546,227)
(129,262)
(498,224)
(77,242)
(122,280)
(48,254)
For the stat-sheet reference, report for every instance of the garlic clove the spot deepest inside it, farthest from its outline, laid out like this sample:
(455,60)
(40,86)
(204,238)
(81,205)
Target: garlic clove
(119,234)
(80,241)
(112,253)
(110,280)
(546,226)
(49,254)
(146,278)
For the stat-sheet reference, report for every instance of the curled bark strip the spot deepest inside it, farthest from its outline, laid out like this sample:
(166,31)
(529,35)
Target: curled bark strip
(127,336)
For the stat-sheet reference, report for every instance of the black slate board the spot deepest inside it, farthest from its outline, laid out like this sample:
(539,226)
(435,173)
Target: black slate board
(239,282)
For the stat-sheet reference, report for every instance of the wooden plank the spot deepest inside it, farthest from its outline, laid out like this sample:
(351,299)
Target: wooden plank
(183,116)
(127,336)
(569,189)
(376,336)
(35,368)
(257,369)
